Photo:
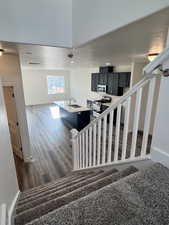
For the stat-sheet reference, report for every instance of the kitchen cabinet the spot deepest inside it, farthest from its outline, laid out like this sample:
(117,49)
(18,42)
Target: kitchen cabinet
(106,69)
(102,79)
(112,83)
(115,82)
(124,79)
(94,81)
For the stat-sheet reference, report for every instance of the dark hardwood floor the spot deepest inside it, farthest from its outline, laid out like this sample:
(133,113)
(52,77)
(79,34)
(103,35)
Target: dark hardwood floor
(50,145)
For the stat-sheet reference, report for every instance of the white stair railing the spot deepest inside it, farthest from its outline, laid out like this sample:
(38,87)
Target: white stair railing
(111,139)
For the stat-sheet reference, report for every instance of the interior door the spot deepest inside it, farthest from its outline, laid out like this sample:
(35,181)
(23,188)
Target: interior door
(10,103)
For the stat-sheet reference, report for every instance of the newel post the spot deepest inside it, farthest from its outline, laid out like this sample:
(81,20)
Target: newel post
(75,149)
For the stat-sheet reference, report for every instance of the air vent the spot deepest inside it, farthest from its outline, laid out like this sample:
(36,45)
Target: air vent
(34,63)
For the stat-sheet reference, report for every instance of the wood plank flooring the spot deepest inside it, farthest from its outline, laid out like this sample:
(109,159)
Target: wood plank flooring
(50,145)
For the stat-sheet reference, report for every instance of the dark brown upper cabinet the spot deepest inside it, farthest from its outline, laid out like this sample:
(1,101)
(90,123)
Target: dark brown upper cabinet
(112,83)
(94,81)
(124,79)
(115,82)
(102,79)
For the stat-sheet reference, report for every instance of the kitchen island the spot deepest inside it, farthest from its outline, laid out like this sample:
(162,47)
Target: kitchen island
(75,116)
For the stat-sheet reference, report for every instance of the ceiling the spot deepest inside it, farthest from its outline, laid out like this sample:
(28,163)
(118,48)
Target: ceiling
(121,47)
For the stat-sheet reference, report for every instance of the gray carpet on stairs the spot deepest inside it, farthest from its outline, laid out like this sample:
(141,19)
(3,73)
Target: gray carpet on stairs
(57,193)
(139,199)
(60,182)
(50,189)
(53,204)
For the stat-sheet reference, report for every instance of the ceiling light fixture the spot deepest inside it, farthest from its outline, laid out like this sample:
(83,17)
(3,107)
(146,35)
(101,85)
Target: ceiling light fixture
(152,56)
(71,62)
(1,52)
(108,63)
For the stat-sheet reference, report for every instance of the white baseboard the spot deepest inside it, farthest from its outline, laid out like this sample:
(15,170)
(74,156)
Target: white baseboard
(160,156)
(3,214)
(11,211)
(29,159)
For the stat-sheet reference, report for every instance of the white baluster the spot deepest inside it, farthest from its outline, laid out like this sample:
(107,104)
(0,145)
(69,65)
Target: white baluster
(94,144)
(98,142)
(74,133)
(126,125)
(136,122)
(110,136)
(87,150)
(118,120)
(148,116)
(80,152)
(104,139)
(83,149)
(90,146)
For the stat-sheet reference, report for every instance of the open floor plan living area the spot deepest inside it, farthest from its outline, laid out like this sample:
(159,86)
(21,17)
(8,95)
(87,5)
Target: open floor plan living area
(84,112)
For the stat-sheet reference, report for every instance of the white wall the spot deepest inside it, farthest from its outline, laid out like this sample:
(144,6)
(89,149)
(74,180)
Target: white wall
(137,75)
(10,73)
(93,18)
(35,86)
(160,143)
(51,22)
(37,22)
(80,83)
(8,180)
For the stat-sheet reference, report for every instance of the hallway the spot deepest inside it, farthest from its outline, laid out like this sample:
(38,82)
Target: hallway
(50,145)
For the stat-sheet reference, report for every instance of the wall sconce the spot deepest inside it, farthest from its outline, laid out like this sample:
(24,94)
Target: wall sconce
(152,56)
(1,52)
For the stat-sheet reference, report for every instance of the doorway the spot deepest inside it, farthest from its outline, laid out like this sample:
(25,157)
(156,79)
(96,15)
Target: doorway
(13,123)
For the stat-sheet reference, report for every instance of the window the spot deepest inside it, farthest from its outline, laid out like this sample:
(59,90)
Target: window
(55,84)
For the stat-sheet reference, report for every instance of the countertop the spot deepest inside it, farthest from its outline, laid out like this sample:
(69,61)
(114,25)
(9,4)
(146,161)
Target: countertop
(67,106)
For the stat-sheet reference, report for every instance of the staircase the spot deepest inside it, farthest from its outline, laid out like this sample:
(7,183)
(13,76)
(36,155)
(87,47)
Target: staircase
(45,199)
(126,197)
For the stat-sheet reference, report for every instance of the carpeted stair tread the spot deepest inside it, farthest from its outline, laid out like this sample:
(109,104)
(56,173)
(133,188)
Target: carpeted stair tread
(56,187)
(58,193)
(139,199)
(72,175)
(54,183)
(47,207)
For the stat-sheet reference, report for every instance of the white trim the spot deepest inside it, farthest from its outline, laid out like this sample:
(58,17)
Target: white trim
(23,131)
(120,162)
(11,211)
(29,159)
(3,214)
(159,155)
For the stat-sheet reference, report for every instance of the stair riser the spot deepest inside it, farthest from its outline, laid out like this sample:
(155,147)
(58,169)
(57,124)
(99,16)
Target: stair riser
(59,181)
(52,189)
(49,185)
(66,190)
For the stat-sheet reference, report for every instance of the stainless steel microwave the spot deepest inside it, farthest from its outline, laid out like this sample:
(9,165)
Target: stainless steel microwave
(101,88)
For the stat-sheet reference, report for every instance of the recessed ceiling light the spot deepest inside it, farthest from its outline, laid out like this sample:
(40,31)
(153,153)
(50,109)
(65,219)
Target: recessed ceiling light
(108,63)
(71,62)
(1,52)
